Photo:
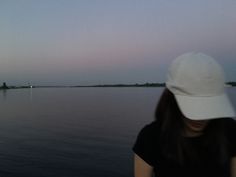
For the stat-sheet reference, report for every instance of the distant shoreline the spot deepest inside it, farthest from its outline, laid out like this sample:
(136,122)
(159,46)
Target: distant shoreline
(127,85)
(103,85)
(228,84)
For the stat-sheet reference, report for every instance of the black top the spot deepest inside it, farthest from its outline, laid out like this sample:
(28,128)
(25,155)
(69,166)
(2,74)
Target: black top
(148,148)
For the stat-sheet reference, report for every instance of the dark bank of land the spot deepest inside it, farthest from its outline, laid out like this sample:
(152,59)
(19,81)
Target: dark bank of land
(230,84)
(127,85)
(233,84)
(5,87)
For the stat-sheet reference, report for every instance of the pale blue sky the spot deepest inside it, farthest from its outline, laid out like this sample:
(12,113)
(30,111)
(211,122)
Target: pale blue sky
(78,42)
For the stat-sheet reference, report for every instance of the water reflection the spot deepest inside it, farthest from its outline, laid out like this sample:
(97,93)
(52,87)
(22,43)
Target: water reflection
(4,94)
(16,94)
(31,93)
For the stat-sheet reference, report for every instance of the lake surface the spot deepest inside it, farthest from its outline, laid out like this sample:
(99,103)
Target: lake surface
(73,132)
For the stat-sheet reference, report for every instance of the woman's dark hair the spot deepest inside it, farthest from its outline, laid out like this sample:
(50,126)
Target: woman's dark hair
(173,142)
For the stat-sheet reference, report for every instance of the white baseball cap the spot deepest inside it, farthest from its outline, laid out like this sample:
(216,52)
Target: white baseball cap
(197,82)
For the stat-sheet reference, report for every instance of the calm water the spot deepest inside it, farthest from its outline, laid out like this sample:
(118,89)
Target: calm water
(73,132)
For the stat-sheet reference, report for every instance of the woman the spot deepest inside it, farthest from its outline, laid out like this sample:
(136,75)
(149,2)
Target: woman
(194,133)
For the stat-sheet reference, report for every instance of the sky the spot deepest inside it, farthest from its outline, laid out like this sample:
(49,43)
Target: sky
(86,42)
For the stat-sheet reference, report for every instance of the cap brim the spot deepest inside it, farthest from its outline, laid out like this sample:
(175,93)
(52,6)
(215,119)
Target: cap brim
(203,108)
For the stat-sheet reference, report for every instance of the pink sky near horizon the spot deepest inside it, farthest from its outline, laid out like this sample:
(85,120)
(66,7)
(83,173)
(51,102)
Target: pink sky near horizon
(80,42)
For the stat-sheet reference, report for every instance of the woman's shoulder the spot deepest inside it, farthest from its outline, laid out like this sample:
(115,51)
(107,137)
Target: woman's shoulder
(152,126)
(146,144)
(150,129)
